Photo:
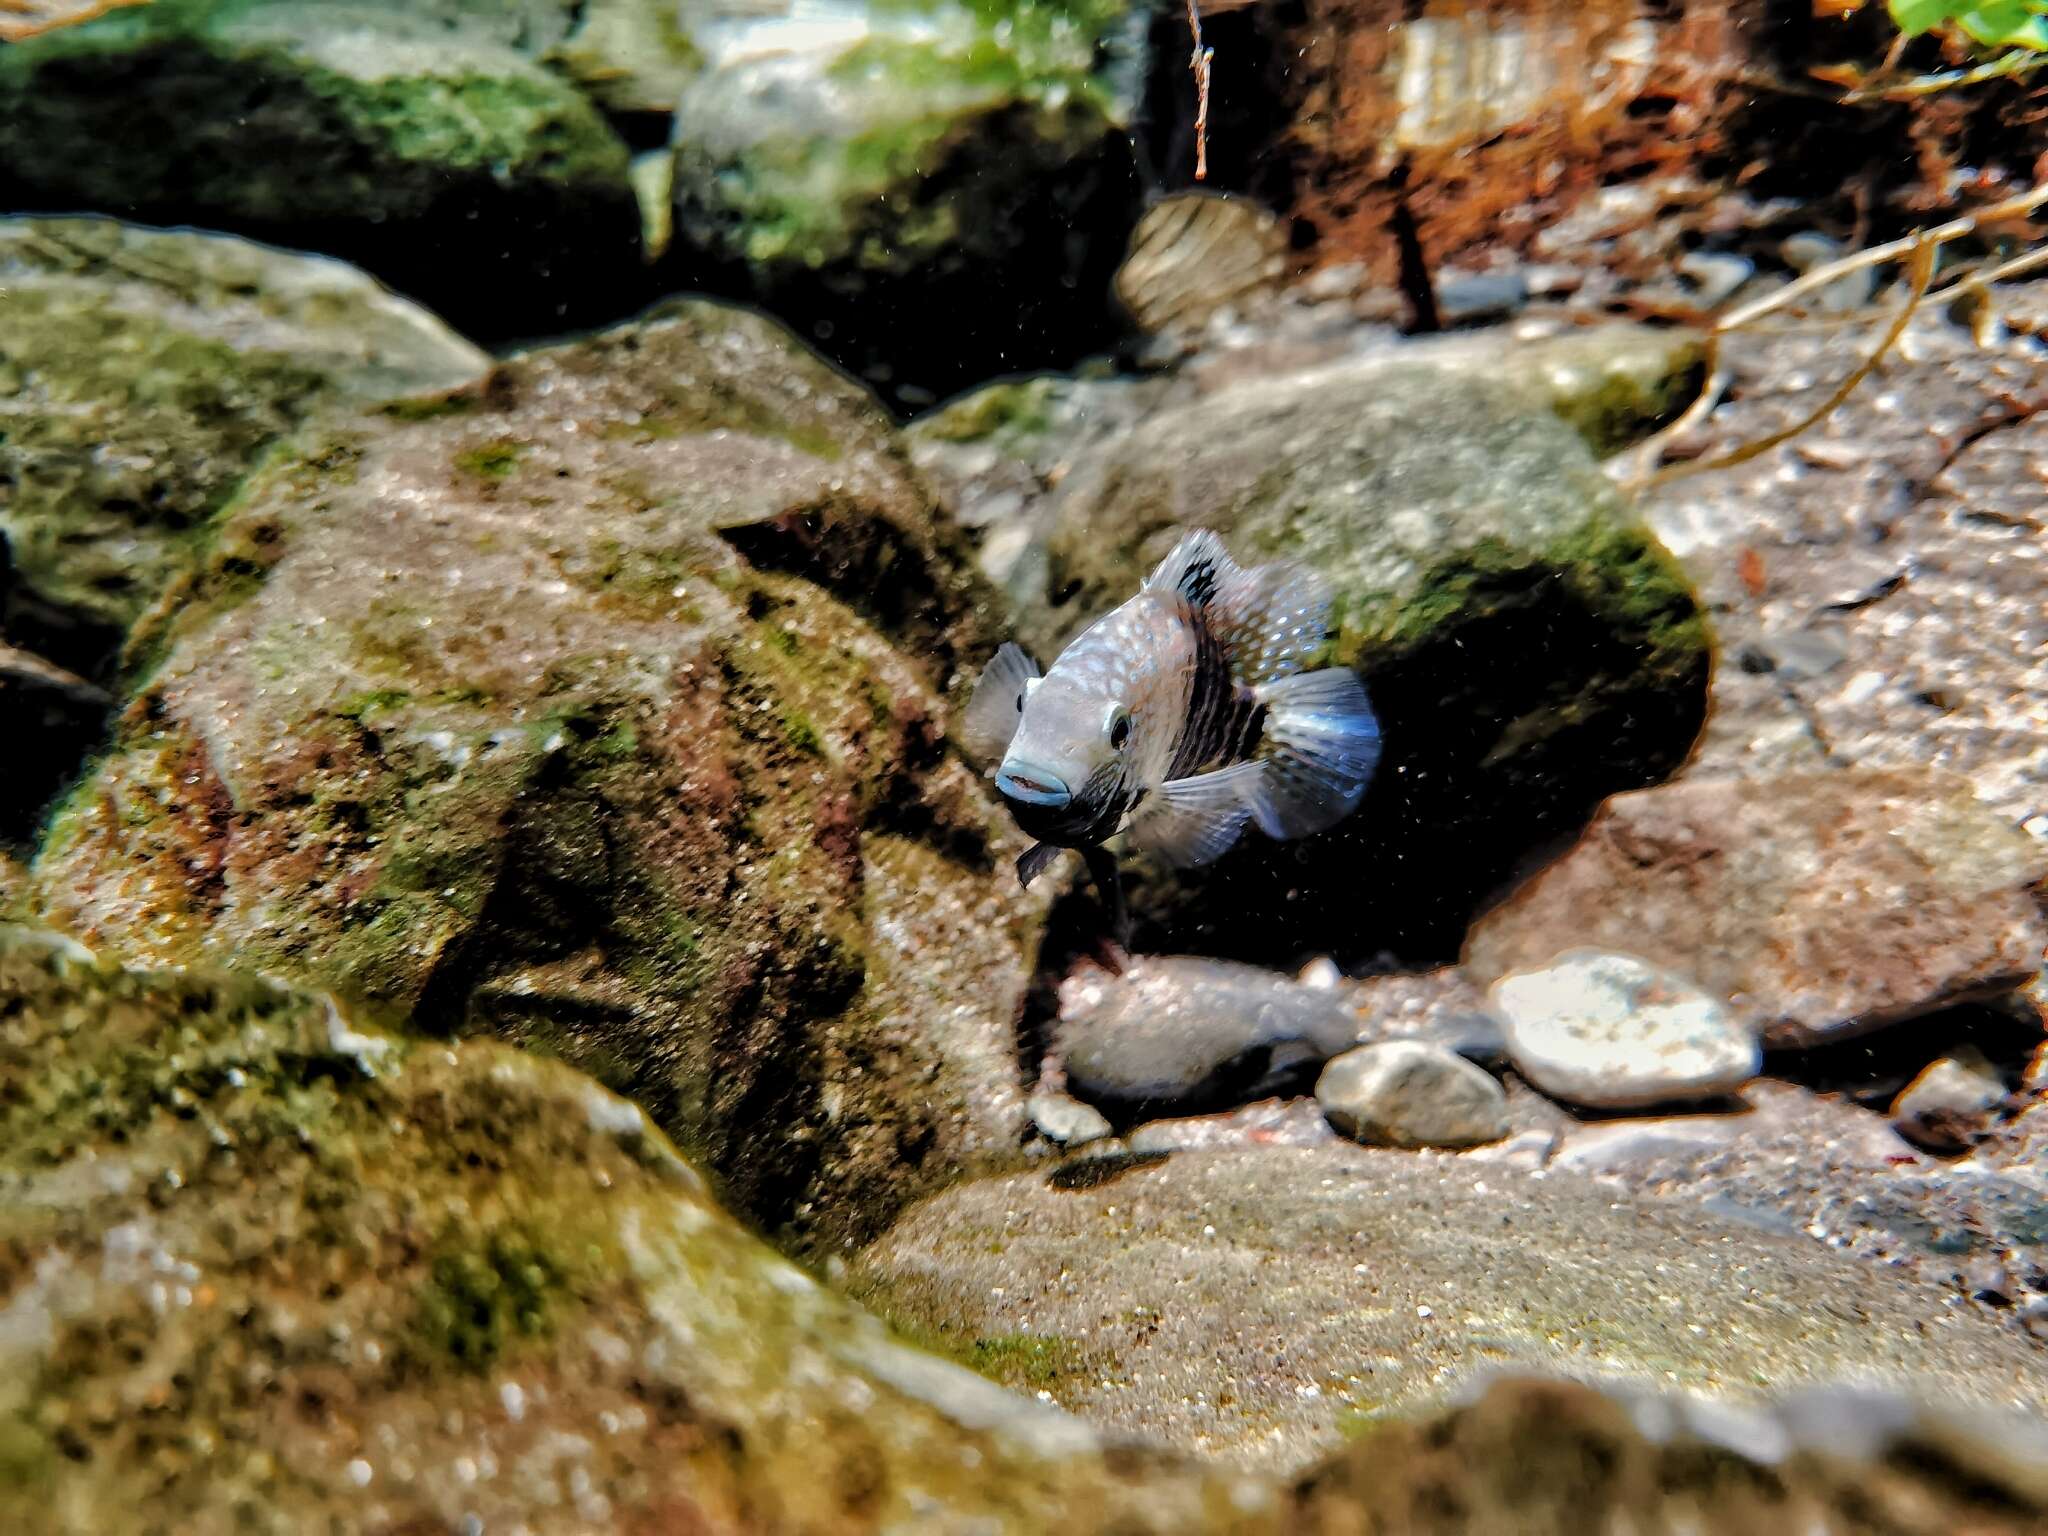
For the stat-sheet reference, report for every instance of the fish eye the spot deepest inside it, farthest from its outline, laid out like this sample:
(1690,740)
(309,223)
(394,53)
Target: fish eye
(1119,729)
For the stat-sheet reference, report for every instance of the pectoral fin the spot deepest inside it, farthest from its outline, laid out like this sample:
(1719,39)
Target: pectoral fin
(992,714)
(1193,821)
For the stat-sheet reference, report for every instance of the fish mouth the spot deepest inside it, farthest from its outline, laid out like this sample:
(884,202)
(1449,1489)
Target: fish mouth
(1034,787)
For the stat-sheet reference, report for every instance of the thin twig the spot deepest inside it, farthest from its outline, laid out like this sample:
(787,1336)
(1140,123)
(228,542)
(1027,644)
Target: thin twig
(1921,272)
(1199,63)
(1921,248)
(1980,282)
(2019,63)
(42,17)
(1820,277)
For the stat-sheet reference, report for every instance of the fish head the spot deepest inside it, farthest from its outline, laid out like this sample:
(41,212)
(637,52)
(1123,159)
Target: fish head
(1066,770)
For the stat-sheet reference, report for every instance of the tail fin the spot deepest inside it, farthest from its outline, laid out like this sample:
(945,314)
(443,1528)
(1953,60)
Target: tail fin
(1321,745)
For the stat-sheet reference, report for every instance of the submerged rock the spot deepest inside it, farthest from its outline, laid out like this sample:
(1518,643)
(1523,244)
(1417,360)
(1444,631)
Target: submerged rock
(1259,1305)
(1819,904)
(1609,1031)
(143,372)
(269,1271)
(1548,1459)
(1176,1028)
(935,192)
(1441,1007)
(994,454)
(414,140)
(1951,1103)
(1066,1120)
(570,707)
(1401,1093)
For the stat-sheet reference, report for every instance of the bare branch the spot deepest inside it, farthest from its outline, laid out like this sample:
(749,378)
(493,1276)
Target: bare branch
(1199,64)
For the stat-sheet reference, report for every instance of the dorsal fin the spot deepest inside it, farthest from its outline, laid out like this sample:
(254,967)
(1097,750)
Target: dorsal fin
(1271,620)
(1198,568)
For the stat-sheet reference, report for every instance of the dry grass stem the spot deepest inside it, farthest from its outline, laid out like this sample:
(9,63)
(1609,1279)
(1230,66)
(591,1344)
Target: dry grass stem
(23,19)
(1636,466)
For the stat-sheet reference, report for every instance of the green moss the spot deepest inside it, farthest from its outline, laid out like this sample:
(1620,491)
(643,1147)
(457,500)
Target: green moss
(484,1296)
(1015,410)
(431,407)
(468,108)
(1623,405)
(801,734)
(494,460)
(1616,567)
(1027,1360)
(26,1456)
(127,437)
(370,702)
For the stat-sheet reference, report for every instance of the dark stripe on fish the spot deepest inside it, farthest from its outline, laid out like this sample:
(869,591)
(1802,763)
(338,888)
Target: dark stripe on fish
(1223,720)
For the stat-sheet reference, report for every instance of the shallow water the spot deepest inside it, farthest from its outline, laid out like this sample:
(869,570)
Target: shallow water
(518,1010)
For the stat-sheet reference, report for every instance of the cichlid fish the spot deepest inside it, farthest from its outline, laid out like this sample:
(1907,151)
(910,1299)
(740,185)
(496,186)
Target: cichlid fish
(1178,718)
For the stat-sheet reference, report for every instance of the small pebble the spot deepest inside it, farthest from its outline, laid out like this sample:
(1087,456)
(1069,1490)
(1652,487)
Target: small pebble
(1465,297)
(1716,275)
(1402,1093)
(1610,1031)
(1951,1103)
(1805,252)
(1066,1120)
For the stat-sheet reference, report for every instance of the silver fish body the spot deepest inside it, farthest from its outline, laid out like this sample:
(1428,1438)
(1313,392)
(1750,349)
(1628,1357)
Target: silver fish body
(1180,717)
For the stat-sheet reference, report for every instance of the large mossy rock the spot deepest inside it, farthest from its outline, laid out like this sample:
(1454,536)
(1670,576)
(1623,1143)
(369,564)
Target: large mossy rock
(264,1271)
(142,372)
(1261,1305)
(418,142)
(933,191)
(579,706)
(1529,646)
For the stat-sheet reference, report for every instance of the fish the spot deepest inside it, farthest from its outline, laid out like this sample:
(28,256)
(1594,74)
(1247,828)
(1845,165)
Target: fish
(1178,720)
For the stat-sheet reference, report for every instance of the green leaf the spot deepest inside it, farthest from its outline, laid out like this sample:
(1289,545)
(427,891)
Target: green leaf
(2005,24)
(1916,16)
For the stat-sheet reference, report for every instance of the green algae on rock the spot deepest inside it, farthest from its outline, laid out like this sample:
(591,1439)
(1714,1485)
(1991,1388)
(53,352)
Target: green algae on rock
(1529,646)
(417,142)
(906,179)
(578,707)
(1615,383)
(264,1270)
(144,371)
(1256,1305)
